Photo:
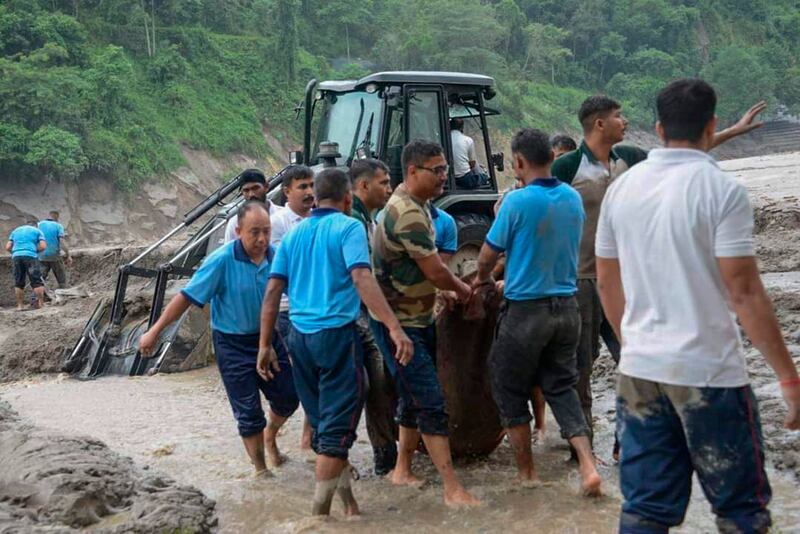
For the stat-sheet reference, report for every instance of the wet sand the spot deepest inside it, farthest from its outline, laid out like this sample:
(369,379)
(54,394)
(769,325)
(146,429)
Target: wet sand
(181,425)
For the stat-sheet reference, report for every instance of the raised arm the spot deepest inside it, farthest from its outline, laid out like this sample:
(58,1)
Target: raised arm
(744,125)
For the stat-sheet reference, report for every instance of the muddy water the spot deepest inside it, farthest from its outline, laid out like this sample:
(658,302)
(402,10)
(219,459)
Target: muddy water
(181,425)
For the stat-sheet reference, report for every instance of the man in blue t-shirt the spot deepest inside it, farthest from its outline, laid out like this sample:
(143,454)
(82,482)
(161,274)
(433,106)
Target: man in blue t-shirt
(233,279)
(24,244)
(446,232)
(323,263)
(50,258)
(539,228)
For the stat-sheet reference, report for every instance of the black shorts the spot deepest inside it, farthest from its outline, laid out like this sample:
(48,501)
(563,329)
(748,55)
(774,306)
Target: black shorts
(30,268)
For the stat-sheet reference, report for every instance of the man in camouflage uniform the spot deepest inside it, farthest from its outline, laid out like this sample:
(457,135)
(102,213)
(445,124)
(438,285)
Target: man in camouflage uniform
(409,271)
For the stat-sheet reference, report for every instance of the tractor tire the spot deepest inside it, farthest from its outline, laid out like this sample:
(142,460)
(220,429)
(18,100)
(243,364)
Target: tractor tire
(472,230)
(462,351)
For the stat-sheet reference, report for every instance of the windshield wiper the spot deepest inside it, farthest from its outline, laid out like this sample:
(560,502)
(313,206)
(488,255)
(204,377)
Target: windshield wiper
(355,135)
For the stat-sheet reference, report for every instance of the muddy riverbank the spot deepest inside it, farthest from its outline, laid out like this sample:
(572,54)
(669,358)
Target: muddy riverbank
(181,425)
(57,482)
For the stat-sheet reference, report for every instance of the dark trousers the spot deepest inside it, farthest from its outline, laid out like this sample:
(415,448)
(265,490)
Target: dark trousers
(420,399)
(328,369)
(535,344)
(381,398)
(236,360)
(472,180)
(667,433)
(591,313)
(55,264)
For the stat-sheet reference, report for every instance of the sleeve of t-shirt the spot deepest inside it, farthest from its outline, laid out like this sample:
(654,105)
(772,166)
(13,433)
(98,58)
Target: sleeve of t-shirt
(448,241)
(206,282)
(733,236)
(414,232)
(499,235)
(61,233)
(40,237)
(471,149)
(230,229)
(354,246)
(278,231)
(605,243)
(280,265)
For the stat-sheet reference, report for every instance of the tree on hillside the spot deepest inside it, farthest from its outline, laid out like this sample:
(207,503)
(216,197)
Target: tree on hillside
(56,152)
(286,18)
(545,52)
(739,78)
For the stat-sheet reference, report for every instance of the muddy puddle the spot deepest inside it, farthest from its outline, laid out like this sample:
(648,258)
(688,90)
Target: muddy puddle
(181,425)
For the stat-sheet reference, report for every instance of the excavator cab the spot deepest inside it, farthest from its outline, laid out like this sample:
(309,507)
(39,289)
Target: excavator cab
(343,121)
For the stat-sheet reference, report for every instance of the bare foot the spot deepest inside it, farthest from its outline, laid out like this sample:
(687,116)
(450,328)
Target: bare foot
(590,482)
(527,482)
(274,456)
(409,479)
(539,435)
(460,498)
(263,473)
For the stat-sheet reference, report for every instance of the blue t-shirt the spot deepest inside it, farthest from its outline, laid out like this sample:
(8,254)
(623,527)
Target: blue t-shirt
(444,226)
(315,258)
(235,287)
(539,228)
(52,231)
(25,241)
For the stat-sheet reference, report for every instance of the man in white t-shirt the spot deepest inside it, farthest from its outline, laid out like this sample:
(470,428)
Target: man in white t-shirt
(465,165)
(254,187)
(675,267)
(298,189)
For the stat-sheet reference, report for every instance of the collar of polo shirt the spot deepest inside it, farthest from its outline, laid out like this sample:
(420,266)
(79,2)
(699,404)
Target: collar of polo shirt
(319,212)
(586,150)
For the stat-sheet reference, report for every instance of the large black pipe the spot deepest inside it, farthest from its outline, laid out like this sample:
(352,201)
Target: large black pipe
(307,122)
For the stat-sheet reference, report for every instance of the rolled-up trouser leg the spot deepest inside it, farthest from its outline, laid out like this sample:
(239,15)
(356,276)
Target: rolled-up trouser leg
(328,371)
(589,345)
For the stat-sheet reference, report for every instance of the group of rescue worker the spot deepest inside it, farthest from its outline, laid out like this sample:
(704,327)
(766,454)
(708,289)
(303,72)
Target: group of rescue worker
(329,301)
(36,251)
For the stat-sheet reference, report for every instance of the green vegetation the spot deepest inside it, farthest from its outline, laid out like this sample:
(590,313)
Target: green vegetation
(115,87)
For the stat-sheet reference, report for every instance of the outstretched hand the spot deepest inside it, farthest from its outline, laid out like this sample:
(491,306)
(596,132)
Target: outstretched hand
(746,123)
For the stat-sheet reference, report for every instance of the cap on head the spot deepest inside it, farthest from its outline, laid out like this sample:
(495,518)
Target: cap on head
(253,176)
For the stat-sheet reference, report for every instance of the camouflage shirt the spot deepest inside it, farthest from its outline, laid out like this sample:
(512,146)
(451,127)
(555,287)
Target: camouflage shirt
(403,235)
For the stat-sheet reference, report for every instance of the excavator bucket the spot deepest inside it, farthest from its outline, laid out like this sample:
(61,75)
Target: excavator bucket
(110,340)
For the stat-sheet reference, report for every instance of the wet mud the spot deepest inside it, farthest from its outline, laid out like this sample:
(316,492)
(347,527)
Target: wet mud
(54,482)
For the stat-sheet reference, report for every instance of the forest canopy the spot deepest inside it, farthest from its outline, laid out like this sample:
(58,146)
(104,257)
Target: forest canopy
(116,87)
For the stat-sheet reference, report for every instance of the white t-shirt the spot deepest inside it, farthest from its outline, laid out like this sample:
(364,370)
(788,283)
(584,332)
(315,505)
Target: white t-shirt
(282,222)
(230,228)
(463,152)
(667,220)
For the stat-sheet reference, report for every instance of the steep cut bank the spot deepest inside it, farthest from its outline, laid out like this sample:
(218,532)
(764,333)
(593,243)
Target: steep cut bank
(50,482)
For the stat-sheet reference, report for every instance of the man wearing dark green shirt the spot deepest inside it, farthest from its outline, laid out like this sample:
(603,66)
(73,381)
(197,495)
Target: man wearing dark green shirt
(591,169)
(371,190)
